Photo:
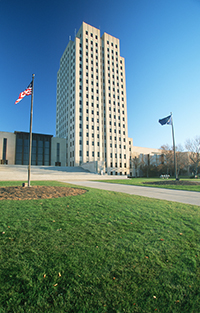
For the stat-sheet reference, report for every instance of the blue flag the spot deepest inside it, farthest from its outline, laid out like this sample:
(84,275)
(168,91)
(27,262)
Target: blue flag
(166,120)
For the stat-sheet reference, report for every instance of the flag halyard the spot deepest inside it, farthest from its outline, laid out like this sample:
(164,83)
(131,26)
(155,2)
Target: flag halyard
(26,92)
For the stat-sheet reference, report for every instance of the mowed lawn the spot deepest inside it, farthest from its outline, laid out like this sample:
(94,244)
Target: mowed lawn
(148,182)
(99,252)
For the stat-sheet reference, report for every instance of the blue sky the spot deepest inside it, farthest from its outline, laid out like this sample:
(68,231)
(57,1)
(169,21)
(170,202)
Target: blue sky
(159,39)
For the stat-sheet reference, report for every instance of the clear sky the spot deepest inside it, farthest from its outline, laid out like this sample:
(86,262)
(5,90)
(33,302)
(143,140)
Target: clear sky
(159,39)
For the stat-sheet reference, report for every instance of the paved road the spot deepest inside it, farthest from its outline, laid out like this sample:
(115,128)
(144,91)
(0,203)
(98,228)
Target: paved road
(188,197)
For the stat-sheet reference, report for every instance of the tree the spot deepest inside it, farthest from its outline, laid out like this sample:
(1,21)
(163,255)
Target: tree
(193,146)
(167,165)
(136,164)
(148,165)
(181,160)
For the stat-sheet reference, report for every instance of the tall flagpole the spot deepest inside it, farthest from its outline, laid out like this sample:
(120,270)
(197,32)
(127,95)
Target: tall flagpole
(30,141)
(174,147)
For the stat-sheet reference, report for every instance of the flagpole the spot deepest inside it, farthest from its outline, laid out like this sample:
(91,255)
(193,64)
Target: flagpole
(174,147)
(30,141)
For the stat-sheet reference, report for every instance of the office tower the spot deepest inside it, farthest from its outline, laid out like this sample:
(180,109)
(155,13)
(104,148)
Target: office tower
(91,101)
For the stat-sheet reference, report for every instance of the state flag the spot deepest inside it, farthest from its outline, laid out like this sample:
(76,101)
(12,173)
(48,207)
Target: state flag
(166,120)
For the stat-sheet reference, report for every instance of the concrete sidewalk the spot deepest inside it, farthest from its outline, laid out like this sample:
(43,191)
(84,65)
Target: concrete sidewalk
(78,176)
(187,197)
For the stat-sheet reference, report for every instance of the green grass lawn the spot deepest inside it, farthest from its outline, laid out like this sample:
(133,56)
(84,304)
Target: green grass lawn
(144,182)
(99,252)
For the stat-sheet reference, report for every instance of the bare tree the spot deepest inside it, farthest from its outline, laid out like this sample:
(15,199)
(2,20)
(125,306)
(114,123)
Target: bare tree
(193,146)
(148,166)
(167,164)
(168,160)
(181,159)
(136,164)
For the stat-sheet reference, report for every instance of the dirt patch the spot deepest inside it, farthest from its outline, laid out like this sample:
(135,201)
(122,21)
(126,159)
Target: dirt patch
(174,182)
(37,192)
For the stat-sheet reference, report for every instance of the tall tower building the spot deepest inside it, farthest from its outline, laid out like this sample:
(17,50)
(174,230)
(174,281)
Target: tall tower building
(91,101)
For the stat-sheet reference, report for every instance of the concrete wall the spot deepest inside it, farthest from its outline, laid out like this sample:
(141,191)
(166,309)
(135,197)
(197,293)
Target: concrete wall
(94,166)
(62,158)
(11,143)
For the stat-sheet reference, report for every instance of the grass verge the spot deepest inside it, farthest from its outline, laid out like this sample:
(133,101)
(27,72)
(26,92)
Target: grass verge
(144,182)
(99,252)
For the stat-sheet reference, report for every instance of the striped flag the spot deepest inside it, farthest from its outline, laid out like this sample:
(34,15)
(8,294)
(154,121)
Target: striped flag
(26,92)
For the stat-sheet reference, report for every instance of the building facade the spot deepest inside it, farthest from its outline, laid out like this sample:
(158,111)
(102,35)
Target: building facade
(91,110)
(46,149)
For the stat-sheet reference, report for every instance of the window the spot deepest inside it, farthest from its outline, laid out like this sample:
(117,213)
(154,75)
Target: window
(58,152)
(4,148)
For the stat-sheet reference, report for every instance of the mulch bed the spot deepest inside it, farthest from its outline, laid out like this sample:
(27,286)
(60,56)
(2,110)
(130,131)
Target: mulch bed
(174,182)
(37,192)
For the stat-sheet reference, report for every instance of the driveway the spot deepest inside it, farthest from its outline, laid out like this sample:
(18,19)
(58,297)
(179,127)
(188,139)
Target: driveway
(187,197)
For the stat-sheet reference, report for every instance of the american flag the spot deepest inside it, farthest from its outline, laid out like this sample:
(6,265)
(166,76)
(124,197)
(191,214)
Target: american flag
(26,92)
